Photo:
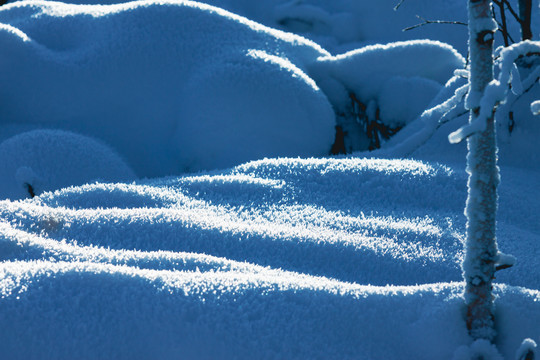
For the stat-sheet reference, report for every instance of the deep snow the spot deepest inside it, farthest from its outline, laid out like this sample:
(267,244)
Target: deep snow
(197,87)
(343,25)
(284,257)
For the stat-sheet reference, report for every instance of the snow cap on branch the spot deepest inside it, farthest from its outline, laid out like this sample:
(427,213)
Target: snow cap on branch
(535,107)
(497,90)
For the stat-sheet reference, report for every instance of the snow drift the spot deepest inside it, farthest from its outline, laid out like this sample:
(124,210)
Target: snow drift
(171,86)
(283,258)
(182,86)
(343,25)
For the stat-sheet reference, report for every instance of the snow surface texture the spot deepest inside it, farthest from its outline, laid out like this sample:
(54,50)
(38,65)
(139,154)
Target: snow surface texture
(343,25)
(284,258)
(163,91)
(280,258)
(167,81)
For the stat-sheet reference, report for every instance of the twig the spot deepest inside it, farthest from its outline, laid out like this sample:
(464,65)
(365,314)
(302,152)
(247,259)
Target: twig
(30,189)
(502,27)
(501,3)
(427,22)
(506,35)
(398,5)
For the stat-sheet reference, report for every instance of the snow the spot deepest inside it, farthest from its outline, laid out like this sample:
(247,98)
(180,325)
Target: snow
(371,72)
(535,107)
(281,257)
(343,25)
(480,349)
(185,112)
(527,348)
(50,159)
(186,204)
(191,110)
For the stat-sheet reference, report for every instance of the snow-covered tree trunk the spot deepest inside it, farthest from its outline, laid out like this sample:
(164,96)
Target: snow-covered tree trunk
(481,246)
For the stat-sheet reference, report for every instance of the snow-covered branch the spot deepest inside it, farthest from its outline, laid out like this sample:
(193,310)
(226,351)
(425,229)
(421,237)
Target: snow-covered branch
(535,107)
(497,90)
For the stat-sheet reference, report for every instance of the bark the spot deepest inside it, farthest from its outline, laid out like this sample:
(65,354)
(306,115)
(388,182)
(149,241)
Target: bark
(481,246)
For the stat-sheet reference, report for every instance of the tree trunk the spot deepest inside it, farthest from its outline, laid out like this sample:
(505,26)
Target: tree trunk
(481,246)
(525,12)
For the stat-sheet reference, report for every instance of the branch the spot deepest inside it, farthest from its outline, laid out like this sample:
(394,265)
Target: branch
(502,25)
(427,22)
(528,84)
(30,189)
(501,3)
(398,5)
(422,129)
(504,261)
(495,92)
(506,35)
(451,115)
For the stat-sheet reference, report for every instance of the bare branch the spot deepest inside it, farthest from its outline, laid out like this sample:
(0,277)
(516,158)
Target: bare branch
(502,3)
(506,35)
(427,22)
(525,14)
(512,11)
(502,27)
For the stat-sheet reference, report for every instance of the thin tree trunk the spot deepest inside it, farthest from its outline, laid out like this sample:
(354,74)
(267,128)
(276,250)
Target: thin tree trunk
(525,12)
(481,246)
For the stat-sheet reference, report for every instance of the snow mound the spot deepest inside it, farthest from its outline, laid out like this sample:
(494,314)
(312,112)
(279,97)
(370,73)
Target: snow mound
(281,258)
(342,25)
(171,101)
(44,160)
(279,213)
(172,86)
(389,84)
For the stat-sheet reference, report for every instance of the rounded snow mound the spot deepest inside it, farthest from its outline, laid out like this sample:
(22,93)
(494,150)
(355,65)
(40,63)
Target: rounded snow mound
(43,160)
(173,86)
